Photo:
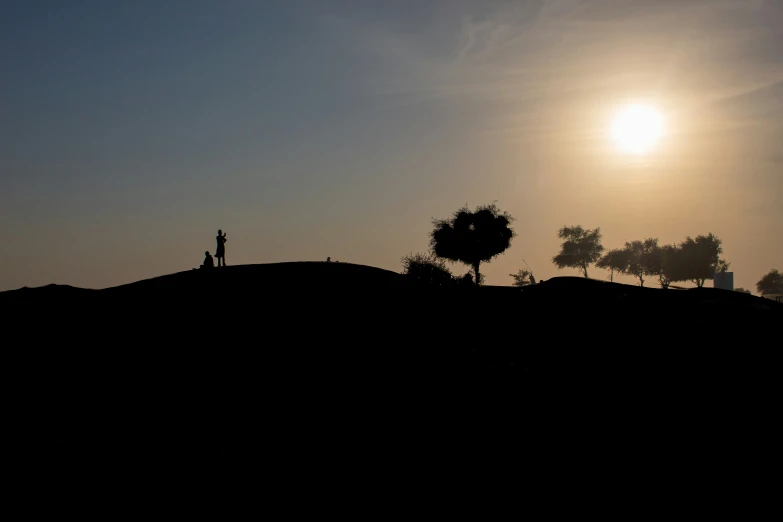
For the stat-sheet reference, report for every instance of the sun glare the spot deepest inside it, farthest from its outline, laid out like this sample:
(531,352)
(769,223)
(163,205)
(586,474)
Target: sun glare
(637,128)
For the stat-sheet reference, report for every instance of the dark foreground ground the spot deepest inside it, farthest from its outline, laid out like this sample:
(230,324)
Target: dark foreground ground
(313,371)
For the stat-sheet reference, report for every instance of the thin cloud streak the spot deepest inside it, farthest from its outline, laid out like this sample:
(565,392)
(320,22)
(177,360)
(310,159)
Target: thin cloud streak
(560,43)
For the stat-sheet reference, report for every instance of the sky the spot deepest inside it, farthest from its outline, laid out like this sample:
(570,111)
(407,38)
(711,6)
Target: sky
(131,131)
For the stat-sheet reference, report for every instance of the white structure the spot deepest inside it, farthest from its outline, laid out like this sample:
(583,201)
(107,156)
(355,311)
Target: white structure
(723,280)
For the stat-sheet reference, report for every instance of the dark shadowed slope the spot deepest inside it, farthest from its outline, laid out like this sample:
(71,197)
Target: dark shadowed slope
(320,366)
(332,281)
(234,281)
(277,276)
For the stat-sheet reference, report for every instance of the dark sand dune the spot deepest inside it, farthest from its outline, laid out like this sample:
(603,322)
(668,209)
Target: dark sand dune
(314,365)
(240,278)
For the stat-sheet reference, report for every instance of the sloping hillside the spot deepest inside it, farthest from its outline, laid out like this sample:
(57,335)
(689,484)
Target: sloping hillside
(289,364)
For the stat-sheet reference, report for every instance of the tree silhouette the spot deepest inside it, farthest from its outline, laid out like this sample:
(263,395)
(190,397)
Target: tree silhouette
(523,278)
(641,258)
(616,260)
(473,237)
(742,290)
(664,262)
(771,283)
(426,268)
(700,259)
(580,248)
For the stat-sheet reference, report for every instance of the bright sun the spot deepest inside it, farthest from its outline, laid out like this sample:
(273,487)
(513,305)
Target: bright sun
(637,128)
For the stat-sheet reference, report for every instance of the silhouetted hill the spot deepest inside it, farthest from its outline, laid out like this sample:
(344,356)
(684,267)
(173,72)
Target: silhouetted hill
(331,364)
(299,275)
(240,278)
(347,277)
(48,294)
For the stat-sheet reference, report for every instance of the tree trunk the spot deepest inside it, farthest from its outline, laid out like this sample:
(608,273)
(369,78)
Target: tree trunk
(584,269)
(477,274)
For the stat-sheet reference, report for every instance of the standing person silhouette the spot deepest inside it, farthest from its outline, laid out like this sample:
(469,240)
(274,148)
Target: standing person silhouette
(220,253)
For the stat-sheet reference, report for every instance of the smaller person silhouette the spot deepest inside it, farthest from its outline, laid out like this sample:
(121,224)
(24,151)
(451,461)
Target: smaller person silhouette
(208,261)
(220,253)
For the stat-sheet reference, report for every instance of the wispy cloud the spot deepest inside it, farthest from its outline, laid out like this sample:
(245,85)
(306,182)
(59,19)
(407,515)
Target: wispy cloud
(759,104)
(527,60)
(561,39)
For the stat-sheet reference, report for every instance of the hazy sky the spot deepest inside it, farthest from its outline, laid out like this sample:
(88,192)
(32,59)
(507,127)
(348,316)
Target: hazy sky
(131,131)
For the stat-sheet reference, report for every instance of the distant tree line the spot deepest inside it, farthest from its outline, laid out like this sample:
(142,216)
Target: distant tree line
(694,259)
(473,237)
